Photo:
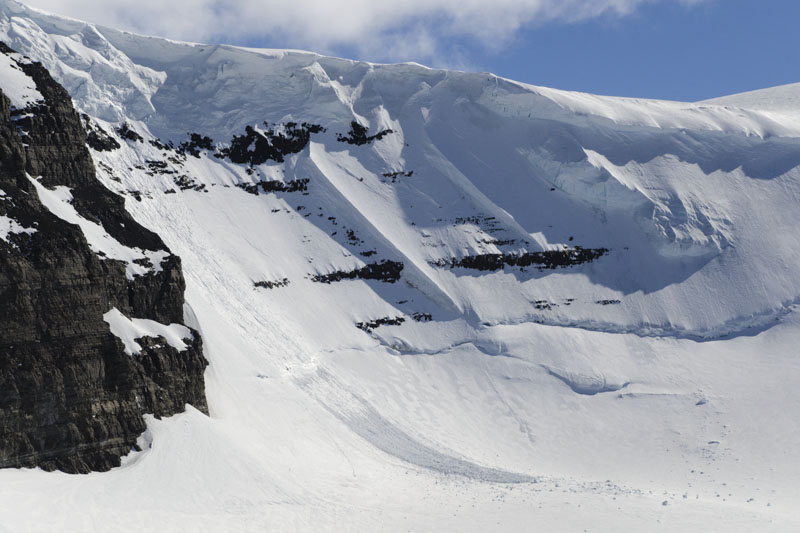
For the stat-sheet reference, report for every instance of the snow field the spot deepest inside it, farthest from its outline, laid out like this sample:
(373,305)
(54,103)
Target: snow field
(651,389)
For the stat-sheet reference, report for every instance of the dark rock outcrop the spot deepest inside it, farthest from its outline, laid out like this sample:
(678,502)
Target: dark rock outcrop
(275,186)
(546,260)
(269,284)
(129,134)
(70,397)
(387,271)
(257,147)
(395,175)
(97,138)
(358,135)
(196,143)
(369,325)
(422,317)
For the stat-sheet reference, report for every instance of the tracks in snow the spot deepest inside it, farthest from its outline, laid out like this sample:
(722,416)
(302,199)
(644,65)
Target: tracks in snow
(365,421)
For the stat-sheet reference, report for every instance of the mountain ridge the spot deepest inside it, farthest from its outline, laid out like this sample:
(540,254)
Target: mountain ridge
(407,280)
(72,400)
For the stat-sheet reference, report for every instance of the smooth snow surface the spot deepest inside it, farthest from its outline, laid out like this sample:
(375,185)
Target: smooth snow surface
(784,100)
(653,389)
(128,330)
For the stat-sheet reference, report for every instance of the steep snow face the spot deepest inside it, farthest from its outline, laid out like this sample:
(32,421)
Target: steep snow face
(17,86)
(407,277)
(474,164)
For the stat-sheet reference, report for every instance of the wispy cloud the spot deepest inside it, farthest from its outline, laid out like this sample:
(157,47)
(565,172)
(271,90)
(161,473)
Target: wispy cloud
(376,29)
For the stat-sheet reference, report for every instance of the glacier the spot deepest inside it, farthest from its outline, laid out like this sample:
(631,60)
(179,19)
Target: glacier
(540,309)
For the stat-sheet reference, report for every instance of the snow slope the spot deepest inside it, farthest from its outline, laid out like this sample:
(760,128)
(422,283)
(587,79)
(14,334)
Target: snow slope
(781,100)
(649,387)
(17,86)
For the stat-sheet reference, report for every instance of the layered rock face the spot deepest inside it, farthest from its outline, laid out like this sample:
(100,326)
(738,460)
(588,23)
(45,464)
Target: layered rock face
(71,398)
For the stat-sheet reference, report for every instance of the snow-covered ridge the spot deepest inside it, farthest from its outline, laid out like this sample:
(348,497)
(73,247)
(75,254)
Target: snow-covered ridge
(662,185)
(781,101)
(131,69)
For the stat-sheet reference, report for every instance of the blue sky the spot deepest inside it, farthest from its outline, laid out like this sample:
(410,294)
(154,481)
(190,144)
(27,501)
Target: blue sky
(672,49)
(663,50)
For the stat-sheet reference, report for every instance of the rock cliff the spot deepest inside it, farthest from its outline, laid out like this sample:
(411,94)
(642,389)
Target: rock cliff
(71,398)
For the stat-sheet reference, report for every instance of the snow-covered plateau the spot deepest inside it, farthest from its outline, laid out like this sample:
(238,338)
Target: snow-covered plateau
(437,300)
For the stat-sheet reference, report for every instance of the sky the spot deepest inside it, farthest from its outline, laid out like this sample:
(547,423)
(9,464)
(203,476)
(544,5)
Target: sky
(669,49)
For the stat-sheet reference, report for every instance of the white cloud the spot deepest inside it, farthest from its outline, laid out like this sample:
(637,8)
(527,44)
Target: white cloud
(376,29)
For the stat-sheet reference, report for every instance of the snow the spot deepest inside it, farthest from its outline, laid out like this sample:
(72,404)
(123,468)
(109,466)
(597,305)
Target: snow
(574,399)
(128,330)
(776,101)
(59,202)
(17,86)
(9,226)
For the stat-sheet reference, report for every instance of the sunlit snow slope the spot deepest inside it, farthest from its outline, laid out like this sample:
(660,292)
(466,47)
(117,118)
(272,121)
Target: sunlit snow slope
(484,305)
